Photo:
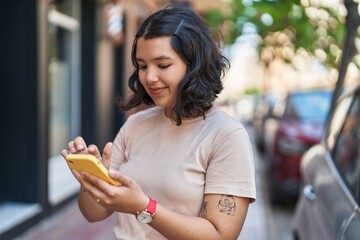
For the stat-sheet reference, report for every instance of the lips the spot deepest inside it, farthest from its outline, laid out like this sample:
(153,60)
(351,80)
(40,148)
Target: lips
(155,91)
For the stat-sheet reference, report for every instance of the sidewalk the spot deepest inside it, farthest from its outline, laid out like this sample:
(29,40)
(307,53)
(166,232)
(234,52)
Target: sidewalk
(256,225)
(68,223)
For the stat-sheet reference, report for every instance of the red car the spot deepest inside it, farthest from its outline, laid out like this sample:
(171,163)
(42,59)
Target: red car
(296,124)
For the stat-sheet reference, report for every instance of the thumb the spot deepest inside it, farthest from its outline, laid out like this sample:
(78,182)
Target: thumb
(122,179)
(107,151)
(107,154)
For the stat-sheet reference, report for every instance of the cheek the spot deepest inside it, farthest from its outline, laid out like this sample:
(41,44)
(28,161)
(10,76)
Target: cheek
(177,77)
(177,80)
(141,78)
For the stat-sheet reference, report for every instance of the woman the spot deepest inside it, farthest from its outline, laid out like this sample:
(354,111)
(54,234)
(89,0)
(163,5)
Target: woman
(186,168)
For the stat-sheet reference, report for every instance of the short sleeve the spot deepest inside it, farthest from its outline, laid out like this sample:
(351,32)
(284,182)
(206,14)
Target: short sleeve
(118,155)
(231,168)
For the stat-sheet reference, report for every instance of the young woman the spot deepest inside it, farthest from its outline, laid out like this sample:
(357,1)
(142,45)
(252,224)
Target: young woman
(186,168)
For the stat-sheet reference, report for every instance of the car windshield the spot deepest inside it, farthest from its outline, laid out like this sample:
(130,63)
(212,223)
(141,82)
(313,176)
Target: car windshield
(312,106)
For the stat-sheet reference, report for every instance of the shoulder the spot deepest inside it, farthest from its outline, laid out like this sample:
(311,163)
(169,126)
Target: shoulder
(226,128)
(220,120)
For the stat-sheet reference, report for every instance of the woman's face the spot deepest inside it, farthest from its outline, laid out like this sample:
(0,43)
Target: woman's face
(160,70)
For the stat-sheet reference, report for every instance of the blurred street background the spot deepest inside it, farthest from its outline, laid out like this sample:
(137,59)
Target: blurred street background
(63,62)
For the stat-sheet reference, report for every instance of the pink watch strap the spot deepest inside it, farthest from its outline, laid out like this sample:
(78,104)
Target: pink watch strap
(151,206)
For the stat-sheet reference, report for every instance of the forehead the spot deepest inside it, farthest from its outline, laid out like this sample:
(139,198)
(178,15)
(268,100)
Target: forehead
(154,47)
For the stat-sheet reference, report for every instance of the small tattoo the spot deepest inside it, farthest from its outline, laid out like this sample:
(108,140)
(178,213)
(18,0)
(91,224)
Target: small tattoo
(203,212)
(227,205)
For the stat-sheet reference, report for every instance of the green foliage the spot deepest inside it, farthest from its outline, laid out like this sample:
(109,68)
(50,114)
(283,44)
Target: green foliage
(252,91)
(316,29)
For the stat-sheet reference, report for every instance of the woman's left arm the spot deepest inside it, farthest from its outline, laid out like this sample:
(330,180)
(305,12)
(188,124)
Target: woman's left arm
(221,217)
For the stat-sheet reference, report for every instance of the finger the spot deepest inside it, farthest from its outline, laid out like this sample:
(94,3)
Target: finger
(64,153)
(77,175)
(71,146)
(94,150)
(92,190)
(107,154)
(96,181)
(80,144)
(122,179)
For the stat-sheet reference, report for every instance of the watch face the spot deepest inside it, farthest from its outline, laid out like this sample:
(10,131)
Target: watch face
(144,217)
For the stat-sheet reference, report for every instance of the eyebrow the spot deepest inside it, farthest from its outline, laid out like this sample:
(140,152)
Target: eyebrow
(162,57)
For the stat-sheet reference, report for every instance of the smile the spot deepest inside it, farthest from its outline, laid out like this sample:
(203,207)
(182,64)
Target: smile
(156,91)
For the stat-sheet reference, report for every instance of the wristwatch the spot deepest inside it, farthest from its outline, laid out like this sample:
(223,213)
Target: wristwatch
(147,215)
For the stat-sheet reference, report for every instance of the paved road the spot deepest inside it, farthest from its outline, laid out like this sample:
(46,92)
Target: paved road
(278,218)
(257,224)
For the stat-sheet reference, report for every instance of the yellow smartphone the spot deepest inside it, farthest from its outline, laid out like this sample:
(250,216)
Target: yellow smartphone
(90,164)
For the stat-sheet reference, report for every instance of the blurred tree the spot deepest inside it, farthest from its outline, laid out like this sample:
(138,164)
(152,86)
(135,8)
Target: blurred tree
(352,25)
(325,29)
(286,24)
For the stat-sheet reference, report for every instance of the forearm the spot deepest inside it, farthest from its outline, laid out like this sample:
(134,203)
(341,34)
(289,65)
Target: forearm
(216,222)
(90,209)
(177,226)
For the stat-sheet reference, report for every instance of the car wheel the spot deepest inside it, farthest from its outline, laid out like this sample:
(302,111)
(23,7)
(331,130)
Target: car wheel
(296,235)
(274,194)
(260,146)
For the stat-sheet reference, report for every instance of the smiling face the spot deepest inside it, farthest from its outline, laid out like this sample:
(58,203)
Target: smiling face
(160,70)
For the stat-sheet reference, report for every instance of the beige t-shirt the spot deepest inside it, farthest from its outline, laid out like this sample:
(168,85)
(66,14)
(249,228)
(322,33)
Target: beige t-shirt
(177,165)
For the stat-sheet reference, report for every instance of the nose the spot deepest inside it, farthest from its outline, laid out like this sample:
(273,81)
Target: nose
(151,75)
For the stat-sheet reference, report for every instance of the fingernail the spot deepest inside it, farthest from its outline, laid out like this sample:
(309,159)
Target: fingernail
(111,172)
(80,147)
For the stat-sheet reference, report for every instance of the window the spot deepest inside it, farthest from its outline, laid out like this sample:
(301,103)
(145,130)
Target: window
(301,105)
(64,93)
(337,121)
(346,152)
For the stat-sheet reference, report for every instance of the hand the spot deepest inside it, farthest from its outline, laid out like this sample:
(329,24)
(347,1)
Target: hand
(127,198)
(79,146)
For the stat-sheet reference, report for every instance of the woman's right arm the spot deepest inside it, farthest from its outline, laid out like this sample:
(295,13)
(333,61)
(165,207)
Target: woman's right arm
(90,209)
(88,204)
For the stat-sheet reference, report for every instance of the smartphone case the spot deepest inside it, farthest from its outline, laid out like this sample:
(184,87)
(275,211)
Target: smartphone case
(90,164)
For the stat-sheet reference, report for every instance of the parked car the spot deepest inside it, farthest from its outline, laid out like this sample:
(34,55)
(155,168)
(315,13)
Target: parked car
(328,206)
(296,124)
(262,110)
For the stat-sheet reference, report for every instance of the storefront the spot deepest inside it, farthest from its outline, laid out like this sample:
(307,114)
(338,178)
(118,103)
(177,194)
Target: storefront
(62,64)
(61,70)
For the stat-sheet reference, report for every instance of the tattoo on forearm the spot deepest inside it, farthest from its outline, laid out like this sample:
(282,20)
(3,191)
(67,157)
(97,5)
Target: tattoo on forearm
(227,205)
(203,212)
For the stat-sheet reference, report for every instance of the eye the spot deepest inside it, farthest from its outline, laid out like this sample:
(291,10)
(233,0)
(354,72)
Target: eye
(164,66)
(142,67)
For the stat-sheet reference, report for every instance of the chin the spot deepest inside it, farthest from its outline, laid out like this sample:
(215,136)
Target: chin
(162,104)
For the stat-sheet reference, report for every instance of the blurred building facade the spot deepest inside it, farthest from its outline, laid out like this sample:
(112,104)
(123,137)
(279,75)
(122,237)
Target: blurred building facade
(62,64)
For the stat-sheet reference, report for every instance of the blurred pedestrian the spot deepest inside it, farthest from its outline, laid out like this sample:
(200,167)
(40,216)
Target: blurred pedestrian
(114,21)
(186,168)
